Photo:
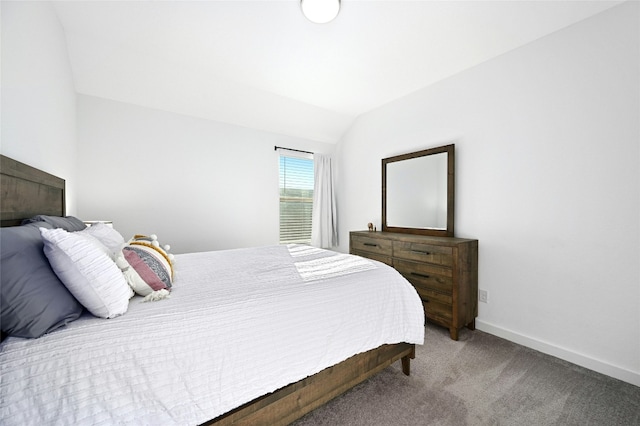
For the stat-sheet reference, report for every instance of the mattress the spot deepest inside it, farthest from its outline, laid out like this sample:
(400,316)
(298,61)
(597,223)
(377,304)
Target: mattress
(239,324)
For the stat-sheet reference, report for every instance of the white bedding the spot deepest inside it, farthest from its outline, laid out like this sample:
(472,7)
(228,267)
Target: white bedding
(239,324)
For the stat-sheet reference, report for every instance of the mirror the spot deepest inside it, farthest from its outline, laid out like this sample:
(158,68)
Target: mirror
(418,192)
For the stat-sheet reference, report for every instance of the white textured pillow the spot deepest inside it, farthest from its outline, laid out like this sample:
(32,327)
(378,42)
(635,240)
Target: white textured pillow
(87,272)
(107,236)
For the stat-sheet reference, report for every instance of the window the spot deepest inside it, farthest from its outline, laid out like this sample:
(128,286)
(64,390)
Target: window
(296,198)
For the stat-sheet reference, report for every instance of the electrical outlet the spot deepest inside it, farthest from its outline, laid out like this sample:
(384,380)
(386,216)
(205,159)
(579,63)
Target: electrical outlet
(483,296)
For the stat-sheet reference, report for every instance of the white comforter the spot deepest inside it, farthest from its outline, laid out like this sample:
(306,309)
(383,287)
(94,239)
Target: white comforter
(239,324)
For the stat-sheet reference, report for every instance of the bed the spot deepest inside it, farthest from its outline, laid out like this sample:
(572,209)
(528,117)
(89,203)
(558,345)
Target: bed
(261,335)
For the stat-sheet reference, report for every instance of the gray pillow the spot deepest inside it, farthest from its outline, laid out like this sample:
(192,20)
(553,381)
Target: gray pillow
(33,301)
(68,223)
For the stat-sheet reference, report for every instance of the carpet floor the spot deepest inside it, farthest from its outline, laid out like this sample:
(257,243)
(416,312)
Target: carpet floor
(482,380)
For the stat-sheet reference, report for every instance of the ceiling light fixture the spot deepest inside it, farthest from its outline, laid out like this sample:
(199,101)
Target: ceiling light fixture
(320,11)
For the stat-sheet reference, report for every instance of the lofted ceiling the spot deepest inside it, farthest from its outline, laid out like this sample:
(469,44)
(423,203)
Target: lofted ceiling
(261,64)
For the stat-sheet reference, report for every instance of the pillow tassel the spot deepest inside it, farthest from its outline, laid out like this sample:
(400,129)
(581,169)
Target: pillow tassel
(157,295)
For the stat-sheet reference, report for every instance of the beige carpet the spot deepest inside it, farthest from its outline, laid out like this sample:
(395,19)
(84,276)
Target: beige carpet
(482,380)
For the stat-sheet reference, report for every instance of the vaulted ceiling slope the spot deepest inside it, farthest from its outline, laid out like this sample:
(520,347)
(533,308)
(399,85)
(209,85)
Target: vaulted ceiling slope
(261,64)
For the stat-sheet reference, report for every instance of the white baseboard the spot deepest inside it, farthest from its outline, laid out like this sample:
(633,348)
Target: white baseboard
(562,353)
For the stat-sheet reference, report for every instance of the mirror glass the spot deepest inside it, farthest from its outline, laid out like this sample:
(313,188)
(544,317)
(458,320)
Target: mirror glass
(419,182)
(418,192)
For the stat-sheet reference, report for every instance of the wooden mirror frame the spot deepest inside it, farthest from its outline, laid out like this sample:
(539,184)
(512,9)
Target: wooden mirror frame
(448,232)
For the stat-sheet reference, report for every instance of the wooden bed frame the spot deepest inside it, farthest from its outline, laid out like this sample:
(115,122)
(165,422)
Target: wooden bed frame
(27,191)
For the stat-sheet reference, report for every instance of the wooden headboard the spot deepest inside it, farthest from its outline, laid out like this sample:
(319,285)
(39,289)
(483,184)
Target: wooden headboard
(27,191)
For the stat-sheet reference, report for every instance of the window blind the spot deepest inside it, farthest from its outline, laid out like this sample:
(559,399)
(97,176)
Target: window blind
(296,199)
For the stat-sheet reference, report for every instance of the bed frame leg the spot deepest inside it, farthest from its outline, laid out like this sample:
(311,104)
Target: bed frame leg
(406,365)
(406,362)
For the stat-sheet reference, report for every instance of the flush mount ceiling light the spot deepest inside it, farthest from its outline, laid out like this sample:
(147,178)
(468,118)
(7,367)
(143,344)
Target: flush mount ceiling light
(320,11)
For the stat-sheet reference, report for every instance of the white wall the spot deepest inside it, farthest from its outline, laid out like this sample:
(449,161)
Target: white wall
(547,179)
(38,97)
(198,184)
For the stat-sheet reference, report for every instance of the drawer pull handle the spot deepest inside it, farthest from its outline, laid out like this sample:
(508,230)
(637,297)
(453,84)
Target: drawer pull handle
(417,274)
(421,252)
(370,244)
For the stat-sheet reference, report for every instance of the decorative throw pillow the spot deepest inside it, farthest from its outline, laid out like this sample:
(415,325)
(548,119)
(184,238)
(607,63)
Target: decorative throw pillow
(84,267)
(107,236)
(33,301)
(147,267)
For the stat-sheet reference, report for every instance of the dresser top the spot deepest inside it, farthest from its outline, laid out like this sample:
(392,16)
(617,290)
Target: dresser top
(397,236)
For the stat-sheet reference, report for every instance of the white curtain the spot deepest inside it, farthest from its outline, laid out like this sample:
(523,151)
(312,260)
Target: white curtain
(324,225)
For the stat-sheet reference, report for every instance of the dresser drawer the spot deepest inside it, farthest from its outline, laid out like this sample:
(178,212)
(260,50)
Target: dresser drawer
(438,312)
(379,257)
(374,245)
(436,277)
(437,283)
(428,295)
(439,255)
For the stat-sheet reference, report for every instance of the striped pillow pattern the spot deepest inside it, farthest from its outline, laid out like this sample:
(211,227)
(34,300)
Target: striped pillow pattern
(150,266)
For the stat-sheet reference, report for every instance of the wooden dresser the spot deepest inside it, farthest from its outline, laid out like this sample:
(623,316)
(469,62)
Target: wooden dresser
(443,270)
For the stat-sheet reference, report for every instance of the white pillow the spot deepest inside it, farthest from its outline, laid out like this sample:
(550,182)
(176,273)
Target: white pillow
(107,236)
(87,272)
